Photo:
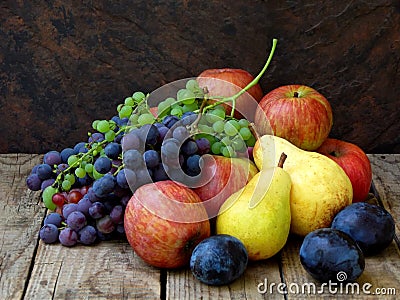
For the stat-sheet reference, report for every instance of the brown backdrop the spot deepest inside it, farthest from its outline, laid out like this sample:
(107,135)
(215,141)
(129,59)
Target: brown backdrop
(65,63)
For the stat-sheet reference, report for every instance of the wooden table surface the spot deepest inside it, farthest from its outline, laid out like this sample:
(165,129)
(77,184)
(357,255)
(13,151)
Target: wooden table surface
(30,269)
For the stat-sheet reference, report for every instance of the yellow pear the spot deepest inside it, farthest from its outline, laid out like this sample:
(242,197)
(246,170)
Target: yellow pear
(320,187)
(259,213)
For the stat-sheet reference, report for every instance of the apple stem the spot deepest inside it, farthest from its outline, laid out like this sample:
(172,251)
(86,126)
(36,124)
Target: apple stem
(282,159)
(247,87)
(296,94)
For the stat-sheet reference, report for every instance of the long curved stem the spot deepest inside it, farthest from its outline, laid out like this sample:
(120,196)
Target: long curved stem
(247,87)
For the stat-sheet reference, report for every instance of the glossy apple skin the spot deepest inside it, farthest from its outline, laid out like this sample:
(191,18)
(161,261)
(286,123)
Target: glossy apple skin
(297,113)
(353,161)
(227,82)
(222,177)
(163,222)
(154,111)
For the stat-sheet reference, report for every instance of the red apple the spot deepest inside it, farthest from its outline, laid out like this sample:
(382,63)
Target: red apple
(227,82)
(154,111)
(297,113)
(163,222)
(221,177)
(353,161)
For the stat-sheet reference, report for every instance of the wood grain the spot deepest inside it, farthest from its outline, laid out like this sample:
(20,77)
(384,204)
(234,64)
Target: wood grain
(21,215)
(108,270)
(182,284)
(30,269)
(386,179)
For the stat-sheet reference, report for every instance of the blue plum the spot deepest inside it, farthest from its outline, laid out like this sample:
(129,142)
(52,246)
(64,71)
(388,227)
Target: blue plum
(219,260)
(326,253)
(371,226)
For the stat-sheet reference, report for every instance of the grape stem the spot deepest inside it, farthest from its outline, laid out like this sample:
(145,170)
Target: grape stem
(247,87)
(193,126)
(56,183)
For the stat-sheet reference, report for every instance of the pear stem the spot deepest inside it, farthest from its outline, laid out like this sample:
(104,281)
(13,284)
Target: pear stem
(282,160)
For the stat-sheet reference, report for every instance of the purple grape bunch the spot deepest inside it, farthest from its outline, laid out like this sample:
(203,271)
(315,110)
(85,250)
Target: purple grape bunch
(89,185)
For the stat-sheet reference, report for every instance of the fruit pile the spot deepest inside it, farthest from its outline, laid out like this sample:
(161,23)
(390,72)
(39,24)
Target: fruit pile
(89,185)
(195,165)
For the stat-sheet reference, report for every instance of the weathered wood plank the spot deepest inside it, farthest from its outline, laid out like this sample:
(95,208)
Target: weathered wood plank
(382,270)
(108,270)
(386,178)
(111,270)
(183,285)
(20,218)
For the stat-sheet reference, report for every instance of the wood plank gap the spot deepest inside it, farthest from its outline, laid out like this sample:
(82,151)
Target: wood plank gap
(163,284)
(282,275)
(380,202)
(33,260)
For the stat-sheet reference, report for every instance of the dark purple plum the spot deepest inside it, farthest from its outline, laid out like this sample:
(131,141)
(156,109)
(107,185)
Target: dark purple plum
(326,253)
(219,260)
(371,226)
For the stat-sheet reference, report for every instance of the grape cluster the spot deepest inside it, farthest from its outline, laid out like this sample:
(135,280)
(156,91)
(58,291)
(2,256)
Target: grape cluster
(89,185)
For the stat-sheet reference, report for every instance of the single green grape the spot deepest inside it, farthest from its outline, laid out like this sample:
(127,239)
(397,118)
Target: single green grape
(138,96)
(170,100)
(226,140)
(146,118)
(89,168)
(185,96)
(177,111)
(180,95)
(125,111)
(163,108)
(70,178)
(66,185)
(129,101)
(230,128)
(235,123)
(176,104)
(203,120)
(133,119)
(119,107)
(245,133)
(219,126)
(238,144)
(72,160)
(215,115)
(192,85)
(251,141)
(205,129)
(219,111)
(190,97)
(103,126)
(47,197)
(80,172)
(243,123)
(110,136)
(190,107)
(216,148)
(94,124)
(228,151)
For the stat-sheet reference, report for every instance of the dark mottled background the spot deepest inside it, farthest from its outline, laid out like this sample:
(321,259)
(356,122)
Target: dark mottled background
(65,63)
